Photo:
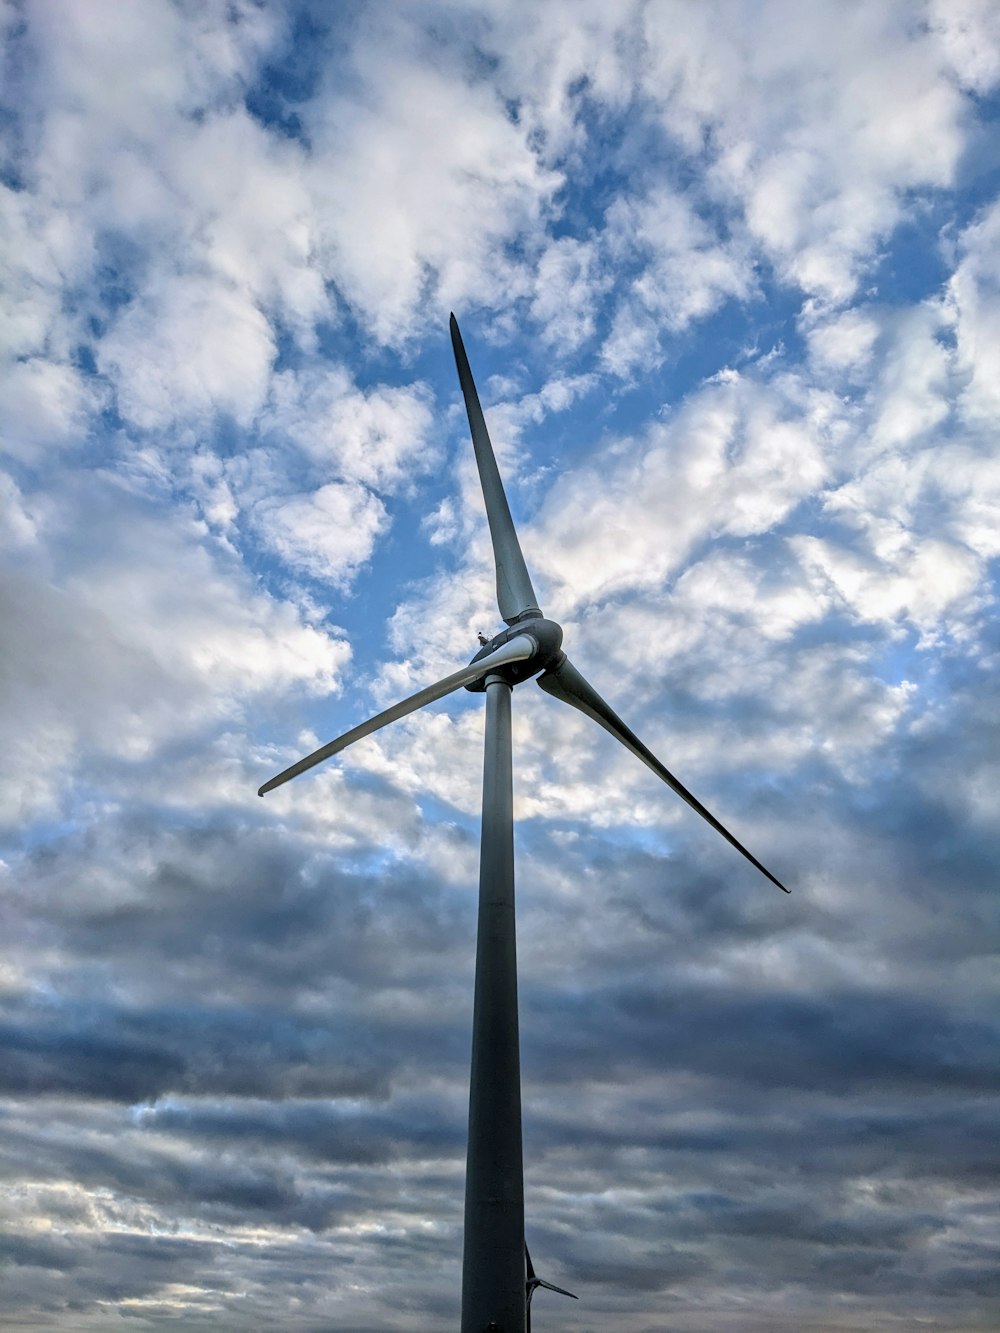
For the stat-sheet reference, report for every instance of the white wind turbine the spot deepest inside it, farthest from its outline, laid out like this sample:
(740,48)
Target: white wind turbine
(498,1279)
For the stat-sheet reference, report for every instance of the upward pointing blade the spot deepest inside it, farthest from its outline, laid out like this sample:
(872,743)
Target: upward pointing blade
(515,595)
(518,649)
(565,682)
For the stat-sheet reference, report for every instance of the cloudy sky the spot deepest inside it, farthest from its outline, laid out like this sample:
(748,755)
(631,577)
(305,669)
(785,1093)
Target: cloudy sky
(729,278)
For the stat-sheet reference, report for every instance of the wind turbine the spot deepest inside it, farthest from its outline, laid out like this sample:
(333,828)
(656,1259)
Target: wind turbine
(498,1279)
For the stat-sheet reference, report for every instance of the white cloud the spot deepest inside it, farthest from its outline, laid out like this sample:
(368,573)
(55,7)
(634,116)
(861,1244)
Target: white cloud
(253,220)
(688,271)
(974,297)
(920,581)
(436,753)
(421,181)
(115,108)
(508,420)
(328,532)
(843,342)
(152,637)
(568,287)
(814,137)
(18,526)
(381,436)
(125,78)
(150,175)
(42,249)
(553,55)
(969,33)
(734,459)
(771,600)
(913,391)
(810,144)
(46,404)
(189,348)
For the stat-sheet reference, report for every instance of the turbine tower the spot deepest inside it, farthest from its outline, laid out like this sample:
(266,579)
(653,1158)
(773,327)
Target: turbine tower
(498,1279)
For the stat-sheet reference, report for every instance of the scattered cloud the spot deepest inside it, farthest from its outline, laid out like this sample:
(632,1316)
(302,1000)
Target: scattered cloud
(239,512)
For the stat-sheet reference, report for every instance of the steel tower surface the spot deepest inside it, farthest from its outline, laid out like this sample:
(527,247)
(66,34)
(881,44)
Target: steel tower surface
(493,1267)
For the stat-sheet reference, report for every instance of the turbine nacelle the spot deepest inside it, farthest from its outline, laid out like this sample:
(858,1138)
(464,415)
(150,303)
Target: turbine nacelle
(547,637)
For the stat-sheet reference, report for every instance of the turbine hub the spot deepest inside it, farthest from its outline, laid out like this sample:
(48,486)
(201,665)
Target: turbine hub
(546,635)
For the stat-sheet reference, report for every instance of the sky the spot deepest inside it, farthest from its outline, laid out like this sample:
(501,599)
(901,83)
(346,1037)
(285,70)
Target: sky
(729,279)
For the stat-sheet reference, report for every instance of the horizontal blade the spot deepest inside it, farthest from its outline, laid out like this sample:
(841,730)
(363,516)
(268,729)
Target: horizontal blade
(565,682)
(515,595)
(517,649)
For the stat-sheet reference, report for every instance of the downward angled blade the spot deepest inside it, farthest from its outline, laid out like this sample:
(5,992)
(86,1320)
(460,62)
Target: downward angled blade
(533,1283)
(515,595)
(514,650)
(565,682)
(551,1286)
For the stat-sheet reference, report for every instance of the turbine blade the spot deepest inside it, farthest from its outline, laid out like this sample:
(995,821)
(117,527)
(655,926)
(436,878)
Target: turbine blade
(517,649)
(549,1286)
(534,1281)
(515,595)
(529,1267)
(565,682)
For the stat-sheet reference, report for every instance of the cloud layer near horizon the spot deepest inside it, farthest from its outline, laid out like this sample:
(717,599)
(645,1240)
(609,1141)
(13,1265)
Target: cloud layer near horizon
(730,281)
